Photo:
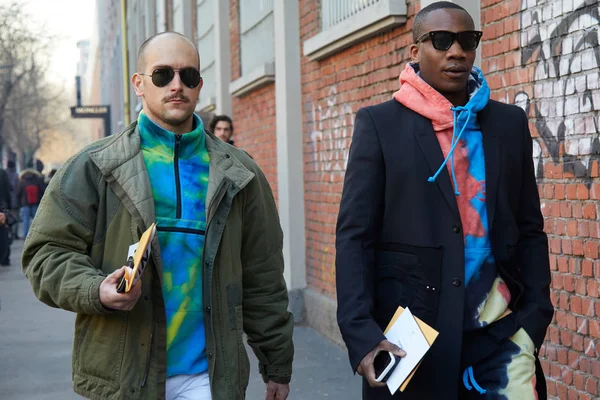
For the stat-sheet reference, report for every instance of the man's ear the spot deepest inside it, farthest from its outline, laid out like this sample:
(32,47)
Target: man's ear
(415,53)
(138,84)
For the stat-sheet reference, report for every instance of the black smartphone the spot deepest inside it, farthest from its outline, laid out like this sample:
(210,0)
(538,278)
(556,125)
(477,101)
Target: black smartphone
(385,362)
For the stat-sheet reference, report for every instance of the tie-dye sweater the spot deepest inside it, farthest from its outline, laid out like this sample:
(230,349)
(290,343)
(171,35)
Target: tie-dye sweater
(487,296)
(178,168)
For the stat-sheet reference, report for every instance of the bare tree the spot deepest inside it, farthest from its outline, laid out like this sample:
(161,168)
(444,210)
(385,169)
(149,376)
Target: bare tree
(23,60)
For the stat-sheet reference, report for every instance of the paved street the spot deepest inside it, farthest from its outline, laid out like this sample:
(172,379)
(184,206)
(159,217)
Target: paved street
(35,351)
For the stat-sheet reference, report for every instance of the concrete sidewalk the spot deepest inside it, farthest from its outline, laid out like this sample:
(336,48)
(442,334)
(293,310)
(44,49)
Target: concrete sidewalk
(36,340)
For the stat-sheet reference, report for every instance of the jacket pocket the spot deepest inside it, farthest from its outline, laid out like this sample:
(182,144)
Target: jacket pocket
(407,276)
(101,348)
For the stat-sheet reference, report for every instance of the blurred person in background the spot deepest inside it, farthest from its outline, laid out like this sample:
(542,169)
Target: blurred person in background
(222,127)
(13,178)
(30,190)
(5,205)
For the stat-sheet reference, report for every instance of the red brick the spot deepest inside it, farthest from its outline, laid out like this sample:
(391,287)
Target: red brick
(587,307)
(592,288)
(594,327)
(566,246)
(571,228)
(572,192)
(582,325)
(559,191)
(578,249)
(595,191)
(566,338)
(580,286)
(583,229)
(578,342)
(561,356)
(587,268)
(595,368)
(551,386)
(589,211)
(572,394)
(575,304)
(566,210)
(584,365)
(571,322)
(561,390)
(591,386)
(579,380)
(591,249)
(577,210)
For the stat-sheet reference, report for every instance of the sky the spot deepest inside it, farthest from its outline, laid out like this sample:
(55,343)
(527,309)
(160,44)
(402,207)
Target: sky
(71,21)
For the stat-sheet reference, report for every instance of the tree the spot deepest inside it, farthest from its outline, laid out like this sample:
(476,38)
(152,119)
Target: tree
(23,59)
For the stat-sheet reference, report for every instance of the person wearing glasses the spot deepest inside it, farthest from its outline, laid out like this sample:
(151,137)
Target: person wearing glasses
(440,214)
(216,266)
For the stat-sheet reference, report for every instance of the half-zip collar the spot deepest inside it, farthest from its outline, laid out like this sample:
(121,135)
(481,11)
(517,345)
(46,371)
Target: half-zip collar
(157,139)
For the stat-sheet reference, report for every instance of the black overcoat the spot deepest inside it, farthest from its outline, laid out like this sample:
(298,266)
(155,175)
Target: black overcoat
(399,236)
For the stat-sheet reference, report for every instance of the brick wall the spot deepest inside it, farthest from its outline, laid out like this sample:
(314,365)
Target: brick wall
(544,57)
(333,90)
(253,114)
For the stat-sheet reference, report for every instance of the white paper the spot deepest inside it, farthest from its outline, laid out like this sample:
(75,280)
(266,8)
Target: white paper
(406,334)
(132,249)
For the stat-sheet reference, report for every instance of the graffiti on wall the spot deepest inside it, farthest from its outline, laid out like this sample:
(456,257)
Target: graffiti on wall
(330,125)
(561,38)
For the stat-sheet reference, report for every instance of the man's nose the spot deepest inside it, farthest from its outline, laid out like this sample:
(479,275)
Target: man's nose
(455,51)
(176,84)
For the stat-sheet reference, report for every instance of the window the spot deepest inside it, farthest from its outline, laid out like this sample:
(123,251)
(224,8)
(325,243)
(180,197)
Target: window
(205,37)
(161,16)
(256,31)
(257,46)
(347,22)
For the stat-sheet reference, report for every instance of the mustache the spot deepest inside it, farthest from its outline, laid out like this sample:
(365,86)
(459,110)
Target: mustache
(177,96)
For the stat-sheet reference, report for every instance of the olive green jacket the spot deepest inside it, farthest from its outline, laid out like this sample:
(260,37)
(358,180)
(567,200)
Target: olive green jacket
(97,205)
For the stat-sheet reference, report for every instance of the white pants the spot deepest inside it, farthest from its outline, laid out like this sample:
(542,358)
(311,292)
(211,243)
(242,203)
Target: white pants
(188,387)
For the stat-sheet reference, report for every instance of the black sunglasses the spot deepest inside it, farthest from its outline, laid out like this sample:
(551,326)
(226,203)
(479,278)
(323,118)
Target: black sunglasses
(162,76)
(443,40)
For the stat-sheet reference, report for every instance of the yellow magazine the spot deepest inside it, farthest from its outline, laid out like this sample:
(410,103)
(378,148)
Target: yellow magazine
(139,254)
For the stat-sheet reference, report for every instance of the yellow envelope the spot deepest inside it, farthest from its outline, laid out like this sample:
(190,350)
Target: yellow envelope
(137,262)
(429,333)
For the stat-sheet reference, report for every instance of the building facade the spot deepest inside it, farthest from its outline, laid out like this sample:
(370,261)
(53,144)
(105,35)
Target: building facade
(293,74)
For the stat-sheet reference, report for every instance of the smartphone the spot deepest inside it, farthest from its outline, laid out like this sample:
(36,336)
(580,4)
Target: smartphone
(385,362)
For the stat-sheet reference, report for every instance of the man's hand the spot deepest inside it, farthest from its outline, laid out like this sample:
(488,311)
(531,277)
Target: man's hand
(2,218)
(119,301)
(277,391)
(366,368)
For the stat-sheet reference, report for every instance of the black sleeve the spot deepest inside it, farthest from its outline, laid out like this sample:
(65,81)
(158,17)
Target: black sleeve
(358,226)
(536,311)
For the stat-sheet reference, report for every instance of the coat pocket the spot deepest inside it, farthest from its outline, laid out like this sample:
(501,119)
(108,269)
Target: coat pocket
(101,347)
(407,276)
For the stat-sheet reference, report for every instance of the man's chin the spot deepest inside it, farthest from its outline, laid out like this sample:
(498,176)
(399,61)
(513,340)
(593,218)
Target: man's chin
(177,117)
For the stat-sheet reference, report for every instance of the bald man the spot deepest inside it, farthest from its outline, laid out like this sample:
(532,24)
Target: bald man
(216,267)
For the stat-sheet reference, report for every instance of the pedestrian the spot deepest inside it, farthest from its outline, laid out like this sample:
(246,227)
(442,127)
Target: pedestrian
(13,178)
(440,213)
(216,269)
(5,240)
(222,127)
(30,190)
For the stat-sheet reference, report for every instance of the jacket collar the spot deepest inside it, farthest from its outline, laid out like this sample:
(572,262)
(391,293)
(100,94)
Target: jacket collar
(121,162)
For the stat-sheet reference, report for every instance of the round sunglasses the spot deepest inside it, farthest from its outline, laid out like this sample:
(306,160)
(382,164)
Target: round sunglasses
(162,76)
(443,40)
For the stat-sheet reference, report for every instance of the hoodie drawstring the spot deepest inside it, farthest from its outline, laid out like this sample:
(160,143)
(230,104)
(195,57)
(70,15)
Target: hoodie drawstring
(455,139)
(468,376)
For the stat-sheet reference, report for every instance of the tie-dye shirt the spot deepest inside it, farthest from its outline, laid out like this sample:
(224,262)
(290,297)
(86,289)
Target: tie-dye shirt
(178,168)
